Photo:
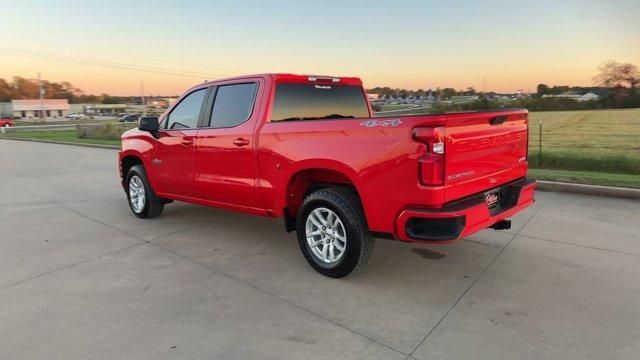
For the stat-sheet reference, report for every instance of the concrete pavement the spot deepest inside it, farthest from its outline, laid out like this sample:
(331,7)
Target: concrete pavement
(80,277)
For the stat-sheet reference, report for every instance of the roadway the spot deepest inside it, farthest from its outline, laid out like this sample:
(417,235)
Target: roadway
(80,277)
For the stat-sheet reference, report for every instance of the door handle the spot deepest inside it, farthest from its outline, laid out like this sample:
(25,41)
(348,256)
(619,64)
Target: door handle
(187,141)
(241,142)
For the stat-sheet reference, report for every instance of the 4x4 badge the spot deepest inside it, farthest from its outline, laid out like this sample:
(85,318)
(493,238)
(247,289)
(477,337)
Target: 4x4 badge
(374,123)
(156,161)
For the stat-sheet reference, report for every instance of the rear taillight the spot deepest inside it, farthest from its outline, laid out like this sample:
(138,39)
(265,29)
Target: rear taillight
(431,167)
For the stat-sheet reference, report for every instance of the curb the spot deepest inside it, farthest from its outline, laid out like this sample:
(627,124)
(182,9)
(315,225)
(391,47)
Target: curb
(98,146)
(597,190)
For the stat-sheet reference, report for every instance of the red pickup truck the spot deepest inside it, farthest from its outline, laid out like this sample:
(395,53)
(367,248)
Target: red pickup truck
(309,150)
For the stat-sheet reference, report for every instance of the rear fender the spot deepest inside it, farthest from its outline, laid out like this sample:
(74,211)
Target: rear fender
(325,171)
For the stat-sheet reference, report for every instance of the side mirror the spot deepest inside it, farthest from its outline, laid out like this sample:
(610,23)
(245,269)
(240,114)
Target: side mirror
(149,124)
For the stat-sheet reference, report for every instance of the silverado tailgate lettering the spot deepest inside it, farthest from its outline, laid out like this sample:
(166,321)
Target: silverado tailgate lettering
(517,139)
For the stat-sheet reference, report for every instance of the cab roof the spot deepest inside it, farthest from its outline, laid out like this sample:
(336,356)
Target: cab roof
(297,78)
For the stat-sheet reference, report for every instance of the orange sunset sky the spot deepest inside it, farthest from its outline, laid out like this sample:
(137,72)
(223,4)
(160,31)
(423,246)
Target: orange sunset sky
(111,47)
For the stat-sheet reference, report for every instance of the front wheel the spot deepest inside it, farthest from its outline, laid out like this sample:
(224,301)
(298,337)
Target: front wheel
(333,233)
(142,199)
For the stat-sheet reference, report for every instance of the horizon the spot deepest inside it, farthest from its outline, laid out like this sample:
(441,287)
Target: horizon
(410,44)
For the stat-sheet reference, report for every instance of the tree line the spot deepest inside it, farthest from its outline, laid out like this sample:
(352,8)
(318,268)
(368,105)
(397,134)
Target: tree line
(445,93)
(616,84)
(20,88)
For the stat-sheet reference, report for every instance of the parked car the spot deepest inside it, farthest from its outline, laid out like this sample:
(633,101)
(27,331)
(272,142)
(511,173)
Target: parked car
(6,122)
(307,149)
(129,118)
(74,116)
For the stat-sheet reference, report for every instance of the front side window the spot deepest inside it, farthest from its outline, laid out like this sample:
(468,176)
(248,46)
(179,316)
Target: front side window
(185,114)
(232,105)
(318,101)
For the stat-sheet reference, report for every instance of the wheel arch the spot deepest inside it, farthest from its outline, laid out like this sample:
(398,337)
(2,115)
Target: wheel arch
(306,180)
(127,161)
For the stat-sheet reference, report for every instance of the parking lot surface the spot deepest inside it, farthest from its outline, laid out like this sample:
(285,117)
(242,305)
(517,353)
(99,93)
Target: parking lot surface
(81,277)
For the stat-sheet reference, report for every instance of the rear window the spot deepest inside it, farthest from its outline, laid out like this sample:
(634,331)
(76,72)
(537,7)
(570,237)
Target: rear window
(318,101)
(233,105)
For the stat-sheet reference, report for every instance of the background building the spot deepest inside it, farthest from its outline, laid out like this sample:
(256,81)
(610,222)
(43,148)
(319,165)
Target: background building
(575,96)
(33,109)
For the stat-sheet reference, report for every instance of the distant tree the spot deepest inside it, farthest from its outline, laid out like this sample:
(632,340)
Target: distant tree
(624,79)
(483,103)
(613,74)
(106,99)
(542,90)
(7,91)
(447,93)
(559,89)
(25,88)
(63,90)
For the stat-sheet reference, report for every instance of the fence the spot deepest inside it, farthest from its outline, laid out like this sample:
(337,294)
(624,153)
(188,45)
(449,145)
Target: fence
(599,140)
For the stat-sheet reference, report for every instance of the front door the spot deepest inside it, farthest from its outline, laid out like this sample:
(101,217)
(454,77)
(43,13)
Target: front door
(174,166)
(225,151)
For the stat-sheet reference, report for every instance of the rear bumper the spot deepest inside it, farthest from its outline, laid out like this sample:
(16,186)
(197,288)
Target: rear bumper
(463,217)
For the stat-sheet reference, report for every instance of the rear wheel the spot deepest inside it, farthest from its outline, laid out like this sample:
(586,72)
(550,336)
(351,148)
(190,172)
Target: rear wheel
(332,232)
(142,199)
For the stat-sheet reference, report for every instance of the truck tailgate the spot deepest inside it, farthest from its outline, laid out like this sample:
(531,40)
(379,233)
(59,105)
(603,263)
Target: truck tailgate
(483,151)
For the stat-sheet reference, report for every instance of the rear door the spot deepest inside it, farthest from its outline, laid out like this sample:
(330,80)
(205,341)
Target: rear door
(483,151)
(226,155)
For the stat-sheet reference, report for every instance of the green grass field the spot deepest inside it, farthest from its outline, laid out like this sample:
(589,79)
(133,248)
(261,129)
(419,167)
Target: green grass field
(57,135)
(60,122)
(599,131)
(605,141)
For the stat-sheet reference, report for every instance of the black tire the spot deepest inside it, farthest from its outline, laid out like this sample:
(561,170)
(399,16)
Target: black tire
(153,205)
(359,245)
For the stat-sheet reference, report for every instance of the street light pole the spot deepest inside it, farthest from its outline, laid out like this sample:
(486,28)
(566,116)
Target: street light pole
(41,94)
(141,93)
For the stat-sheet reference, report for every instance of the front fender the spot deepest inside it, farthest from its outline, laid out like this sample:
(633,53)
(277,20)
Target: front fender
(141,147)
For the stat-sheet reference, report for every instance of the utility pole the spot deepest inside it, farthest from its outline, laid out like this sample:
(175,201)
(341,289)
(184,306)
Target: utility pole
(141,93)
(484,84)
(41,95)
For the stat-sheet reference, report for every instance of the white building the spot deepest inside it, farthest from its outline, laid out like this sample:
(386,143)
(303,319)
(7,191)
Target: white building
(570,95)
(33,109)
(589,96)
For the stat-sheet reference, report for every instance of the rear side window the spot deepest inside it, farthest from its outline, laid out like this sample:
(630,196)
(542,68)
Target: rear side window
(185,114)
(232,105)
(318,101)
